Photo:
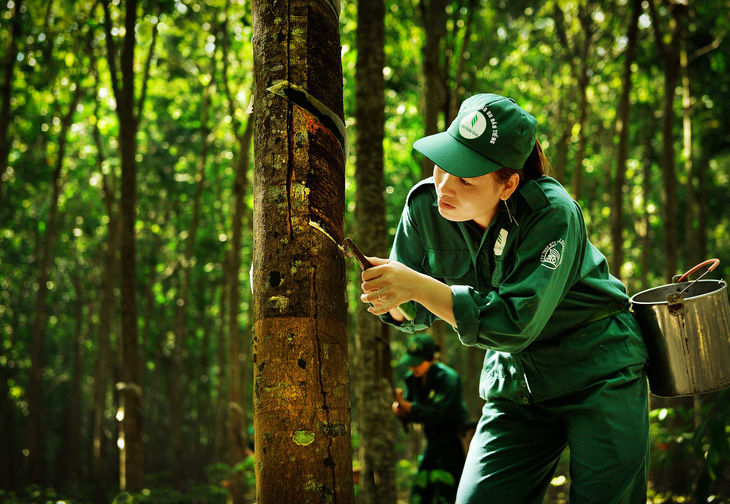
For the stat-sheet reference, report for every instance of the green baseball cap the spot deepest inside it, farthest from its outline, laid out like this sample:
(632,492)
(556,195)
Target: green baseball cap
(419,348)
(490,132)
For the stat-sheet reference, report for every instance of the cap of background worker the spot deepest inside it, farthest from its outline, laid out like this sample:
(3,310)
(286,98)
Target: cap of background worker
(419,348)
(490,132)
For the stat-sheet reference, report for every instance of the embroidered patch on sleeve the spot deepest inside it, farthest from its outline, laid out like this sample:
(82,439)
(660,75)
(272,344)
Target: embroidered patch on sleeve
(552,255)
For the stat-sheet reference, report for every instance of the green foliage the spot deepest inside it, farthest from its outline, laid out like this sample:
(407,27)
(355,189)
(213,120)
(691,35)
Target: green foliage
(201,494)
(246,470)
(711,444)
(203,49)
(697,440)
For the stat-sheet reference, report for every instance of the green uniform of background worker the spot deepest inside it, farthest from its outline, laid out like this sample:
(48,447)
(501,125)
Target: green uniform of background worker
(499,251)
(433,398)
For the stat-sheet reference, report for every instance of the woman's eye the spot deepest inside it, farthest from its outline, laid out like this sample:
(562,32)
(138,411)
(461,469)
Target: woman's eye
(465,182)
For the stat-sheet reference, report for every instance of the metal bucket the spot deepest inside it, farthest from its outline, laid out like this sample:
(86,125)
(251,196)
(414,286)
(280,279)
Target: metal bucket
(686,326)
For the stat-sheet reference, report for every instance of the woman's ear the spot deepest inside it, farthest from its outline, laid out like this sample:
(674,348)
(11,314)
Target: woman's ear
(510,186)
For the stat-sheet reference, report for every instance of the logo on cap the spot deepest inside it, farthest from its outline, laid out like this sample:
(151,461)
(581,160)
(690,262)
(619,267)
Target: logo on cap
(473,125)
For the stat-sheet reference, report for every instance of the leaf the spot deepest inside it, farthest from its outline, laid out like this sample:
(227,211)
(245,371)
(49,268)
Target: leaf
(420,479)
(441,476)
(703,486)
(123,498)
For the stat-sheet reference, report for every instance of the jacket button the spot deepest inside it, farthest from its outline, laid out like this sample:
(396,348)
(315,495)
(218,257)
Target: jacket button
(525,400)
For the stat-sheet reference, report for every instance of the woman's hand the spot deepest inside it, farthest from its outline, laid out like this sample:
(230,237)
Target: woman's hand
(388,284)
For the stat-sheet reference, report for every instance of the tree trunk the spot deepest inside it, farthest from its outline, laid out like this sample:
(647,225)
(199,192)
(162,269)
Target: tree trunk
(583,79)
(455,96)
(237,417)
(154,404)
(107,310)
(129,413)
(220,447)
(702,198)
(433,13)
(72,454)
(203,422)
(36,437)
(669,176)
(648,160)
(622,132)
(6,90)
(692,237)
(301,385)
(8,452)
(179,463)
(237,407)
(562,142)
(377,439)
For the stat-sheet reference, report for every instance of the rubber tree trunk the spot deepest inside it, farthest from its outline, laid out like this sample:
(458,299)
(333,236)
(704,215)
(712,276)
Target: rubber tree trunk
(129,413)
(6,90)
(237,405)
(376,420)
(107,310)
(46,253)
(301,384)
(433,13)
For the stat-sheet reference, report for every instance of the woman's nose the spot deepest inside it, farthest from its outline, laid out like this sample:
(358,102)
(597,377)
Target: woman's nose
(446,184)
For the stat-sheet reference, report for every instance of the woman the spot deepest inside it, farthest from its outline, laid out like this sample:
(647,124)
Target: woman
(497,249)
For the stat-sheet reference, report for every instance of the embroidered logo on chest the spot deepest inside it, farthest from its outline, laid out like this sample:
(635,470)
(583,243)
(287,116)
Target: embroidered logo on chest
(500,243)
(552,255)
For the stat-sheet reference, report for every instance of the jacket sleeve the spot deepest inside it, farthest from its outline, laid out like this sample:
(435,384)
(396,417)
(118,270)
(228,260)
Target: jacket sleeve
(537,273)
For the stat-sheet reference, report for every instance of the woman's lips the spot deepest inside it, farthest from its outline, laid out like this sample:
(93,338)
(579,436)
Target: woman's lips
(445,206)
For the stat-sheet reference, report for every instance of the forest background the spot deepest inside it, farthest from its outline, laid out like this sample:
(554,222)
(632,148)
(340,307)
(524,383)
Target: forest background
(632,109)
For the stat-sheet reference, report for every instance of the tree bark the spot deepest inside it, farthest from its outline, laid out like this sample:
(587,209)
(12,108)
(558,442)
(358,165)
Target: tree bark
(648,160)
(377,439)
(107,310)
(46,253)
(622,153)
(691,237)
(129,413)
(455,96)
(6,90)
(220,447)
(72,440)
(433,13)
(179,462)
(582,80)
(237,406)
(301,385)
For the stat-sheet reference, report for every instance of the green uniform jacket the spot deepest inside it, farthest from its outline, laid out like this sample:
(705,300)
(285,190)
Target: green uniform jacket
(537,296)
(437,403)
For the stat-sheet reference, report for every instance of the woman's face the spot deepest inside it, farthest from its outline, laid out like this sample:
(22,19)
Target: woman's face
(465,199)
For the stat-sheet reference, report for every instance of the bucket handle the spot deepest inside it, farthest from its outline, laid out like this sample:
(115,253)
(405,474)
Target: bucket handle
(676,298)
(714,262)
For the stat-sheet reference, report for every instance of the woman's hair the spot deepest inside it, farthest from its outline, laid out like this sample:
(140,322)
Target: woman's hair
(535,167)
